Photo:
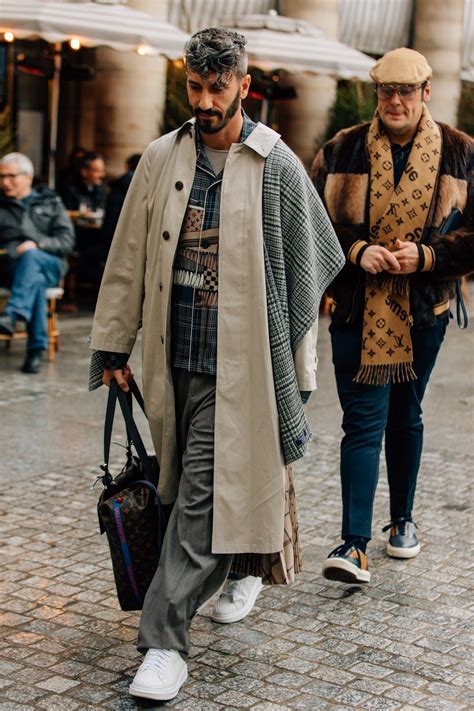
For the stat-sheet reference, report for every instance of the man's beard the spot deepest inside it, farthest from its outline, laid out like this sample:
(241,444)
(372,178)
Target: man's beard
(206,125)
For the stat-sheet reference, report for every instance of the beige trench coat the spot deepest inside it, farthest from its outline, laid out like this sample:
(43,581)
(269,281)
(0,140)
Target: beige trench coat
(249,473)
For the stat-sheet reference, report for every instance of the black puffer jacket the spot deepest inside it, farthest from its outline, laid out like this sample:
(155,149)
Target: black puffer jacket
(340,173)
(43,219)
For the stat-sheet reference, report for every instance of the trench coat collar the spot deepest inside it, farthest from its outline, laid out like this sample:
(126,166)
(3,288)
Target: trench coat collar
(261,139)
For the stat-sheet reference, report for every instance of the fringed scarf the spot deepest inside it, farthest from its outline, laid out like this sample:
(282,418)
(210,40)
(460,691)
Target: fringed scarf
(395,213)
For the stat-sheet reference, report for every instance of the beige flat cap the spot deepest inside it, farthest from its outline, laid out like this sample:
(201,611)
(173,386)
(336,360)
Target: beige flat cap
(401,66)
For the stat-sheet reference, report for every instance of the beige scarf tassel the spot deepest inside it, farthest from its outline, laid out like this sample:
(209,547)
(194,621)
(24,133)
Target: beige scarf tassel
(385,374)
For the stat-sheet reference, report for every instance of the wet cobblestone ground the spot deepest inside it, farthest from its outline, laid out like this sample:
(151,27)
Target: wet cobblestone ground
(403,642)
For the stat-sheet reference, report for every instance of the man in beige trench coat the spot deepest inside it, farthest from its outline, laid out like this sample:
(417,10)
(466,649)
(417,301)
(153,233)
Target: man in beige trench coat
(222,253)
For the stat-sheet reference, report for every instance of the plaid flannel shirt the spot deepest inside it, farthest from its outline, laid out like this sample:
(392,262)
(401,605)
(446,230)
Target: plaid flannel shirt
(195,270)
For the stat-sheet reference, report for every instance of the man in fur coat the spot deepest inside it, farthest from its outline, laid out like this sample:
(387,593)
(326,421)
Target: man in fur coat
(222,252)
(399,191)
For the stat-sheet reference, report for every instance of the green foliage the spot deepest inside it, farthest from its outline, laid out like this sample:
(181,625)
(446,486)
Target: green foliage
(177,109)
(466,109)
(355,102)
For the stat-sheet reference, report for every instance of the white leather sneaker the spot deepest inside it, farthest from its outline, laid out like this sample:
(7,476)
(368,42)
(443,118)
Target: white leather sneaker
(160,676)
(236,600)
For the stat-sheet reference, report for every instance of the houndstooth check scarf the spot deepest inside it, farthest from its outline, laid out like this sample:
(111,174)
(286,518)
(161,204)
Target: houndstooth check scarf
(395,213)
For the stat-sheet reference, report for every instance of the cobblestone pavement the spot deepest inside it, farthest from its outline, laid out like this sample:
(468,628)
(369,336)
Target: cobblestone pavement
(403,642)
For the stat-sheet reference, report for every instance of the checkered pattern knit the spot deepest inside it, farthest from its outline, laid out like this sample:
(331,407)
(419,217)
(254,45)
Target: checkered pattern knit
(302,257)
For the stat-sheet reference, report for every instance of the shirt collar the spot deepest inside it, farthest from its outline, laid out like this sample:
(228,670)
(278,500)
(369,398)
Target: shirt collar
(247,128)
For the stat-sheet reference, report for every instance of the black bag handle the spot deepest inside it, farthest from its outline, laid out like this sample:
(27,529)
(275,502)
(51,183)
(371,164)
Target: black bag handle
(452,222)
(133,435)
(461,311)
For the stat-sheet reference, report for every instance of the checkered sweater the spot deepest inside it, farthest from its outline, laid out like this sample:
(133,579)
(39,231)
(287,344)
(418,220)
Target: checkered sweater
(302,257)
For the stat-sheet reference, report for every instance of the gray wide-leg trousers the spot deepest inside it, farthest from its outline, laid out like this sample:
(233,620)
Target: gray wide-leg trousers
(188,573)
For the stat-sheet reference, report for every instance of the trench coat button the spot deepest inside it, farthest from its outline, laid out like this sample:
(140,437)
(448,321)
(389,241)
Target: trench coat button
(161,286)
(162,339)
(179,185)
(166,235)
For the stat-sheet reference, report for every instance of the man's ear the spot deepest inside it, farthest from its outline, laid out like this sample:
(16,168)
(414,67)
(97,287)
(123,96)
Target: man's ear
(427,92)
(245,86)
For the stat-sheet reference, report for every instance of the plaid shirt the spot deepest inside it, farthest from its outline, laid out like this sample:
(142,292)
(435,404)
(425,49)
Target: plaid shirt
(195,270)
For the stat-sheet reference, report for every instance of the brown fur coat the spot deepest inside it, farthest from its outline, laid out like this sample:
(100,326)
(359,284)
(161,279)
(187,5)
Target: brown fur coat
(340,173)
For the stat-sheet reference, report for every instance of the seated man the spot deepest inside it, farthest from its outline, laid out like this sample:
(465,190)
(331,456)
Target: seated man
(35,236)
(84,197)
(85,192)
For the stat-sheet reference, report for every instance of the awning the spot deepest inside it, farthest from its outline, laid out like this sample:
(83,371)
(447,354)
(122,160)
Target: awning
(276,42)
(93,24)
(194,15)
(377,26)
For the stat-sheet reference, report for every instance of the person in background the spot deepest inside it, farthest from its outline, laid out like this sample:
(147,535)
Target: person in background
(70,173)
(85,191)
(117,190)
(222,252)
(84,197)
(94,256)
(389,185)
(36,235)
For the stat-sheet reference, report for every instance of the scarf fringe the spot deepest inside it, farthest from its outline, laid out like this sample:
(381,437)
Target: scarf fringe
(385,374)
(398,285)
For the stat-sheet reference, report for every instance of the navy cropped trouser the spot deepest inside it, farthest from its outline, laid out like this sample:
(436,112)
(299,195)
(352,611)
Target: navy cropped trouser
(371,411)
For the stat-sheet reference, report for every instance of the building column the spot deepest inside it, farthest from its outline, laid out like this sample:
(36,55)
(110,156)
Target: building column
(438,36)
(131,94)
(304,120)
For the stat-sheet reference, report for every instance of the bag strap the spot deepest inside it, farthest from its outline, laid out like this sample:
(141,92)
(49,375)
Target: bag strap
(461,311)
(115,392)
(109,421)
(452,222)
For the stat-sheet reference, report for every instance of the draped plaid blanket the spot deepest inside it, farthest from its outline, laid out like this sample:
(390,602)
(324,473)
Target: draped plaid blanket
(302,257)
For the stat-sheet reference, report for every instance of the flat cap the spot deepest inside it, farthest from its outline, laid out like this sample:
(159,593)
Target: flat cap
(401,66)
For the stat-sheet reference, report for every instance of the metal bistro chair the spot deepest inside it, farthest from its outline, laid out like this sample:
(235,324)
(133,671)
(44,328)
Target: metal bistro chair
(53,295)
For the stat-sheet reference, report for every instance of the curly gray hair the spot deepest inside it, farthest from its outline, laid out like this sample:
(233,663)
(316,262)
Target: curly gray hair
(217,51)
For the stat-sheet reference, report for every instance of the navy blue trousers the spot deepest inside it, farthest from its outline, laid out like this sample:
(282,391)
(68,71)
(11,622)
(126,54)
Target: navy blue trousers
(371,411)
(32,273)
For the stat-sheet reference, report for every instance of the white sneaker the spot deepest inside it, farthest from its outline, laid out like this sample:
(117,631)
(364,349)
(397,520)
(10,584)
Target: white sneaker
(160,676)
(236,600)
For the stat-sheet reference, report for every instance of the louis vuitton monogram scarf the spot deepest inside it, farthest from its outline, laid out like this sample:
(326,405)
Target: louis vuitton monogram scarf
(395,213)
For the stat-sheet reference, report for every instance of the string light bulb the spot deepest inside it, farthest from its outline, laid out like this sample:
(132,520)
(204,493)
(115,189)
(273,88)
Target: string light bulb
(143,50)
(8,36)
(75,44)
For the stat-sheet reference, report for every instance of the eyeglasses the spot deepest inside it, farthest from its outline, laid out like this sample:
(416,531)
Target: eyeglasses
(10,176)
(404,91)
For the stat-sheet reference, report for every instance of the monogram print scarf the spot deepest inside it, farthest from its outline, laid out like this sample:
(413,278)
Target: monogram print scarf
(395,213)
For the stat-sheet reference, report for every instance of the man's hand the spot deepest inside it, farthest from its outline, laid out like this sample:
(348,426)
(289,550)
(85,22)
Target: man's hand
(123,377)
(377,259)
(26,246)
(407,257)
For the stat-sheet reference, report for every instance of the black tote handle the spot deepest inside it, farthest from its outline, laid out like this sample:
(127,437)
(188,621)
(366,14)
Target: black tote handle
(452,222)
(115,392)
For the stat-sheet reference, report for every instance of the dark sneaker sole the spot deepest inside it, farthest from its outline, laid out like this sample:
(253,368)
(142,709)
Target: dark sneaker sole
(400,552)
(344,572)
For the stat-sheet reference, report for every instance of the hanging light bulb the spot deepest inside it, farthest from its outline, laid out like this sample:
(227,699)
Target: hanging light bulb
(143,50)
(8,36)
(75,43)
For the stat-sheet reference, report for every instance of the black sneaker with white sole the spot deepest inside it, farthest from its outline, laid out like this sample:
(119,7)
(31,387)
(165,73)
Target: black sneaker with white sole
(347,564)
(403,541)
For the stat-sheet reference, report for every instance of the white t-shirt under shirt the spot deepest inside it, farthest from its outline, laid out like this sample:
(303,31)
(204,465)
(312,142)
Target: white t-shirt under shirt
(216,158)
